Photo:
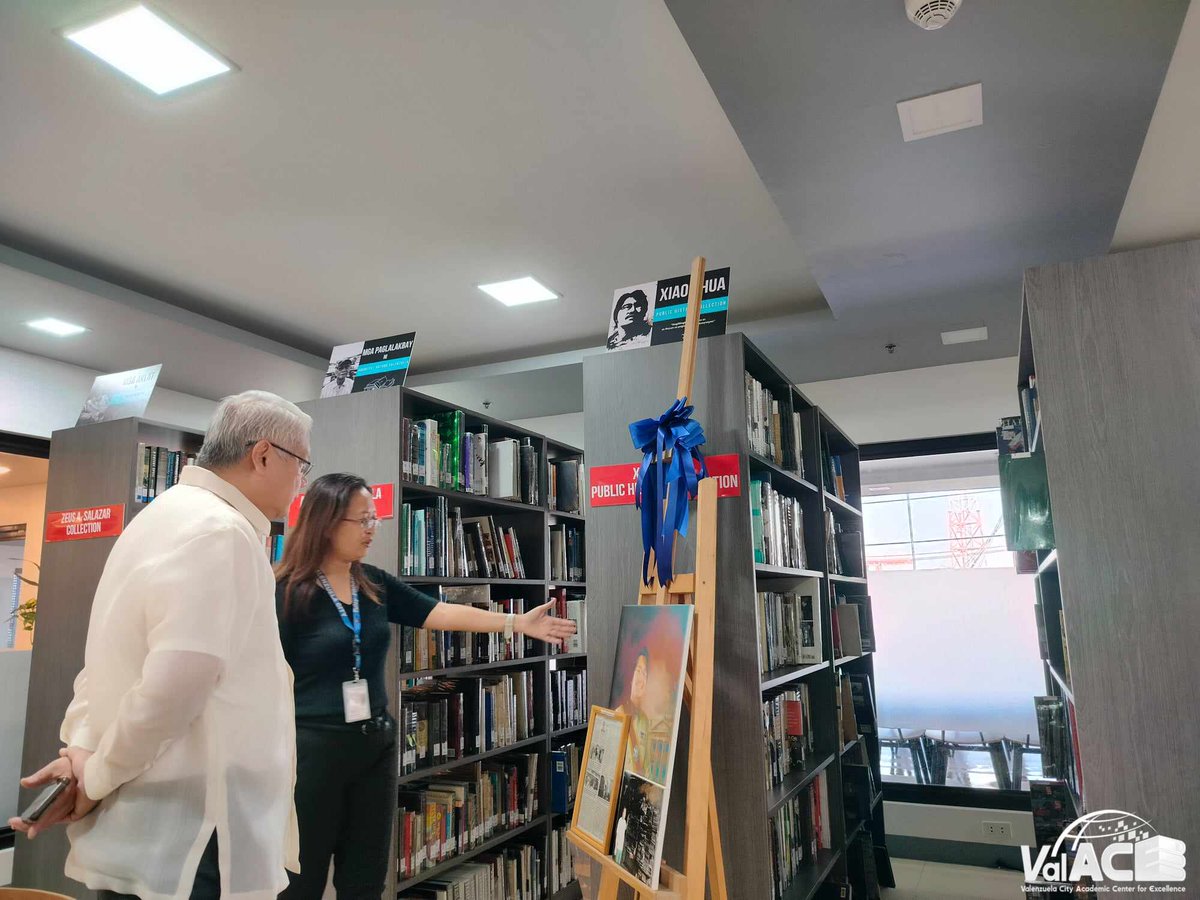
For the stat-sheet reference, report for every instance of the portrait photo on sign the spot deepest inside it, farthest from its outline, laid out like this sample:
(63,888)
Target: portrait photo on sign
(631,322)
(343,366)
(600,778)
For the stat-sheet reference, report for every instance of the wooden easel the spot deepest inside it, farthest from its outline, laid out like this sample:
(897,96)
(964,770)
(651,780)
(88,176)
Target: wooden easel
(702,836)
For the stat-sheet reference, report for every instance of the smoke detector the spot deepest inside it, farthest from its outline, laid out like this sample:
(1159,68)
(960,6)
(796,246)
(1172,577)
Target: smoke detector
(931,14)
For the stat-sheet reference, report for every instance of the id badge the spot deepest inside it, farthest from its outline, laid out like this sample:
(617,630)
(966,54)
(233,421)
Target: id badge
(356,701)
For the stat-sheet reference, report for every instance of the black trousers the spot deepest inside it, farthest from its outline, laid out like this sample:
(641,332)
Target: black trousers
(207,885)
(345,804)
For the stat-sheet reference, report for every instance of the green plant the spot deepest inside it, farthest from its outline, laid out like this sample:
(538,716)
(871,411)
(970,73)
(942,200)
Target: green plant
(27,611)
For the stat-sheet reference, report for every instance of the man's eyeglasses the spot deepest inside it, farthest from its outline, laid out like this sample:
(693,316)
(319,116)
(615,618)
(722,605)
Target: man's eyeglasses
(366,523)
(305,465)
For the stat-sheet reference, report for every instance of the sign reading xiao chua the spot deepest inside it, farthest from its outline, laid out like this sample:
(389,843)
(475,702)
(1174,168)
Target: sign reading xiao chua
(654,313)
(617,485)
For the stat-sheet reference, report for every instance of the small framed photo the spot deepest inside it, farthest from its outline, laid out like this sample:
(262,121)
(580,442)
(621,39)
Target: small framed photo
(600,777)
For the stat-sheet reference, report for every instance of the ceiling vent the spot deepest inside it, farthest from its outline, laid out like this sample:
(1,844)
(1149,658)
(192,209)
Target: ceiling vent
(931,14)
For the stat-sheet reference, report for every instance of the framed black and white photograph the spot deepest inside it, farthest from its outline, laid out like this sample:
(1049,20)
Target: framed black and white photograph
(631,322)
(600,777)
(343,366)
(637,841)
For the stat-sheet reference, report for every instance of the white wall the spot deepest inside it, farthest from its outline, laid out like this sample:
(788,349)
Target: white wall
(955,823)
(963,398)
(567,428)
(39,396)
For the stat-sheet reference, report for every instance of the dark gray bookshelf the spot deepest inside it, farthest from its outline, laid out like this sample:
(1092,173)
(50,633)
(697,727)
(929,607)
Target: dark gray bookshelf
(622,387)
(375,453)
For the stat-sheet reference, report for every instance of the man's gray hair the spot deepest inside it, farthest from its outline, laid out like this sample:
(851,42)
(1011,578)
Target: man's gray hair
(247,418)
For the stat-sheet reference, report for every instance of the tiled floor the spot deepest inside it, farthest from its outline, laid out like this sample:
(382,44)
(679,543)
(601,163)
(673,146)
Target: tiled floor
(916,880)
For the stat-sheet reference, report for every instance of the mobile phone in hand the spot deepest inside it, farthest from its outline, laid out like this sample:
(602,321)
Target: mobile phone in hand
(44,800)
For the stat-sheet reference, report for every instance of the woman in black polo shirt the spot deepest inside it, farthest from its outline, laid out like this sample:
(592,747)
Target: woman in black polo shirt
(334,614)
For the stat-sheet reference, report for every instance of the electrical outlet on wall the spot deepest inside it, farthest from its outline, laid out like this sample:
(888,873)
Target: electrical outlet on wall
(999,831)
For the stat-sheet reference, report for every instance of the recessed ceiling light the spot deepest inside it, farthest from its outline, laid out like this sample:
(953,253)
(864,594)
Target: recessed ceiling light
(56,327)
(965,336)
(148,50)
(4,470)
(941,113)
(519,291)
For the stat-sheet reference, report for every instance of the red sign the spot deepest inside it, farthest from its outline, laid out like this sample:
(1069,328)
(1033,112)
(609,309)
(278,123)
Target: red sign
(87,523)
(385,503)
(617,485)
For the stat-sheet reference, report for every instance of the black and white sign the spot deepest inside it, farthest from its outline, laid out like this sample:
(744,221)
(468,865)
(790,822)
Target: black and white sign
(121,395)
(368,365)
(655,313)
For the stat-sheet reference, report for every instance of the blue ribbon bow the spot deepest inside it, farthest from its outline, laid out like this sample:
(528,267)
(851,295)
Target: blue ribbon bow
(675,482)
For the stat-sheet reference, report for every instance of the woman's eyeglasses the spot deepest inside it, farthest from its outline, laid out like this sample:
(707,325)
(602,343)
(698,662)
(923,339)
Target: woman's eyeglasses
(366,523)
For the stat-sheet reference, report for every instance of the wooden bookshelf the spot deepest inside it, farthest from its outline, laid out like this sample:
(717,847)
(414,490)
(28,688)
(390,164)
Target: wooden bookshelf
(622,387)
(374,419)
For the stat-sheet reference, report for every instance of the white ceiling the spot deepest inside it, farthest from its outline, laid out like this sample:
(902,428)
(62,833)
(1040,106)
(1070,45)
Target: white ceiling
(1163,203)
(24,470)
(372,162)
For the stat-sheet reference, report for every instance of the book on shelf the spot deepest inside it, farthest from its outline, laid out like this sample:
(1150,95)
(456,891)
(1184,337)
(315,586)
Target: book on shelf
(863,699)
(787,732)
(566,553)
(440,452)
(1054,737)
(849,629)
(568,698)
(848,729)
(514,872)
(446,719)
(456,811)
(158,468)
(423,649)
(789,631)
(798,830)
(273,544)
(844,547)
(513,470)
(566,486)
(1010,436)
(777,527)
(858,788)
(1030,412)
(831,470)
(562,859)
(571,604)
(866,625)
(564,775)
(773,427)
(437,540)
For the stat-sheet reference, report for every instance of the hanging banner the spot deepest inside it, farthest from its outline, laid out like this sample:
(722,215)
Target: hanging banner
(617,485)
(368,365)
(383,494)
(654,313)
(86,523)
(121,395)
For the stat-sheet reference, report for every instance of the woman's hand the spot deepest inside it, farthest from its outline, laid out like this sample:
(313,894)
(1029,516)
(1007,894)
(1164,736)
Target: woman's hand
(539,624)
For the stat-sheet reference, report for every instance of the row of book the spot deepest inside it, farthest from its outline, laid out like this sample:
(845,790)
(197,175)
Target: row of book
(566,486)
(562,859)
(566,553)
(1030,414)
(573,606)
(568,698)
(855,706)
(787,733)
(777,527)
(443,720)
(440,452)
(853,630)
(844,548)
(789,630)
(158,469)
(456,812)
(513,873)
(798,830)
(437,540)
(1054,734)
(565,764)
(423,649)
(773,428)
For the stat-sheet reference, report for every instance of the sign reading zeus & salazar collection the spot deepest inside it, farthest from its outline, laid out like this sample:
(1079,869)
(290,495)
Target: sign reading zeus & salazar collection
(617,485)
(645,315)
(83,524)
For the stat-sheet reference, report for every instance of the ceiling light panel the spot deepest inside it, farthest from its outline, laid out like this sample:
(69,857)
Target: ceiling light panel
(56,327)
(519,291)
(4,470)
(941,113)
(965,336)
(149,50)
